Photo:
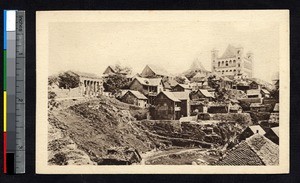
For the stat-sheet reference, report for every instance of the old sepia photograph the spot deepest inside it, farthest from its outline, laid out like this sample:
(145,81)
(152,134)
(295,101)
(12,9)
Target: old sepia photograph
(163,92)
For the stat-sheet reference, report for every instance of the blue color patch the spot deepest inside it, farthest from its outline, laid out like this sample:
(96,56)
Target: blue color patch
(4,30)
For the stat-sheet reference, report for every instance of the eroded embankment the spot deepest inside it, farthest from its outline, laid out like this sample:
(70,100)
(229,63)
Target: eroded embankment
(97,125)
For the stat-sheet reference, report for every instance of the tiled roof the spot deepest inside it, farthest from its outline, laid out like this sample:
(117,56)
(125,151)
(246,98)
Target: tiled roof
(149,81)
(264,148)
(241,155)
(137,94)
(256,150)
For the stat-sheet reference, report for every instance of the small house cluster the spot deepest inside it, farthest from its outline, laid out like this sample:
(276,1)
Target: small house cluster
(199,89)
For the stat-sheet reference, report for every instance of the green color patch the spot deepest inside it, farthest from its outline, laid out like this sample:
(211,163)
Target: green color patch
(4,70)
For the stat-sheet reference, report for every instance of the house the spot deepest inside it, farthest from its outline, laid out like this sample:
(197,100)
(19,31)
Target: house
(251,130)
(153,71)
(167,107)
(256,150)
(182,88)
(110,70)
(185,102)
(135,98)
(201,95)
(150,87)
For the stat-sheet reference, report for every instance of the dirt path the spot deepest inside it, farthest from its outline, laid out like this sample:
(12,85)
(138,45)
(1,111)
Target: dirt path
(157,154)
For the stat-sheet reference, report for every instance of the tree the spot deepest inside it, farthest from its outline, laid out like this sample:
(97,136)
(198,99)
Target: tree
(68,80)
(113,83)
(117,81)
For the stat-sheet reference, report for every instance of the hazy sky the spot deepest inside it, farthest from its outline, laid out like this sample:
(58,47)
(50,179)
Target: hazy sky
(91,47)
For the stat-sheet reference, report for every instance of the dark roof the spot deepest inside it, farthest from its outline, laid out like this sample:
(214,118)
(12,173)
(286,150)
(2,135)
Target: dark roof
(255,150)
(137,94)
(241,155)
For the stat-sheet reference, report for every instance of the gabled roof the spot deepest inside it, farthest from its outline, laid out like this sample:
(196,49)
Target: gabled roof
(257,129)
(149,81)
(267,150)
(113,68)
(137,94)
(206,93)
(255,150)
(182,95)
(241,155)
(229,52)
(170,95)
(158,70)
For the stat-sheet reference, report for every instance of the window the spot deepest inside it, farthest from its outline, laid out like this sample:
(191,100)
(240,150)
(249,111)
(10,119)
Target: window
(234,61)
(226,63)
(239,65)
(234,70)
(219,64)
(222,63)
(226,70)
(230,71)
(230,62)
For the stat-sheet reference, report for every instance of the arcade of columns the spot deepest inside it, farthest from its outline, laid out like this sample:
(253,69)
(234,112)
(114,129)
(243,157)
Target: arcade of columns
(91,86)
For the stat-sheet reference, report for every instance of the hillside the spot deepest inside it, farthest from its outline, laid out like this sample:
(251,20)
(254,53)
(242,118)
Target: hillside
(102,130)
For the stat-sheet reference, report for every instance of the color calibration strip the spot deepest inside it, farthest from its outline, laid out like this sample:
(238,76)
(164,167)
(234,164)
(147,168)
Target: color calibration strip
(14,92)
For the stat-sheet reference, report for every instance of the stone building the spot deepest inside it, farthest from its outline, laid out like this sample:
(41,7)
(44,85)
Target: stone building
(90,85)
(233,62)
